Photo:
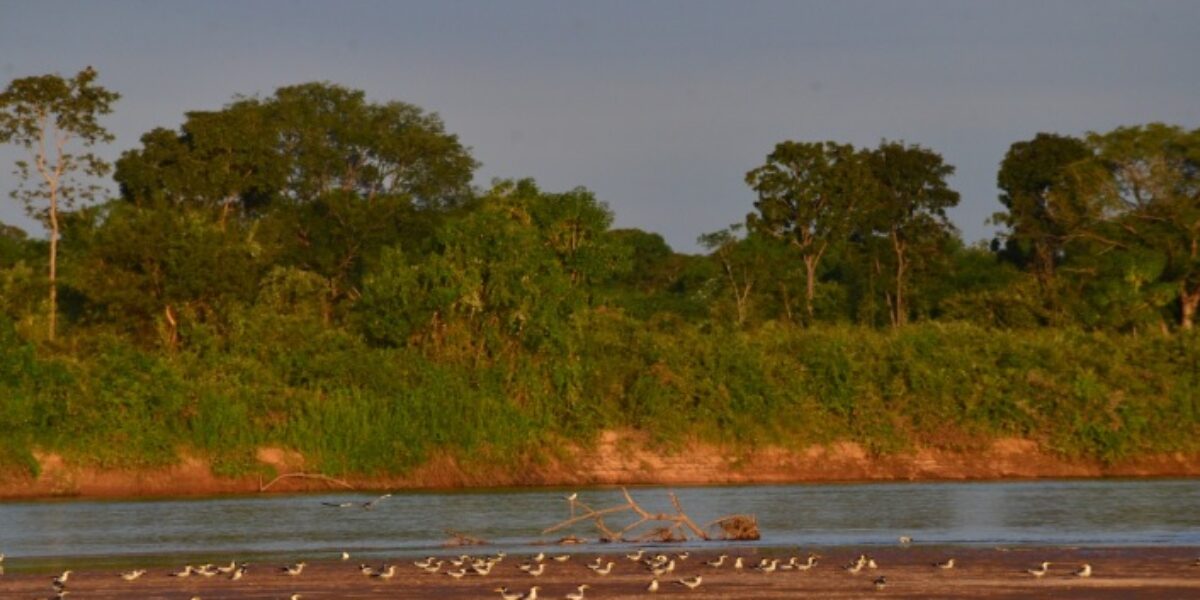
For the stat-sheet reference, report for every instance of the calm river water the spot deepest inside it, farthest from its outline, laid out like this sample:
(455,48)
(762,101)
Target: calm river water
(1104,512)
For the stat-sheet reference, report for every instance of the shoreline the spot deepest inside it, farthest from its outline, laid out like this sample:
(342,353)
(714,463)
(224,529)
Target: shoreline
(1119,572)
(618,458)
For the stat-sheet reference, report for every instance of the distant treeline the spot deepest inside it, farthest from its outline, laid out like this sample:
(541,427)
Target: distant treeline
(314,270)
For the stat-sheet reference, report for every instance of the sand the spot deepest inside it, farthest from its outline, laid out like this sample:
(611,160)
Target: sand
(981,573)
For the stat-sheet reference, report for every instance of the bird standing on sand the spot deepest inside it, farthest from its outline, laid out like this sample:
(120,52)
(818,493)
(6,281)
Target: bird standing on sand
(507,595)
(738,563)
(538,570)
(239,573)
(636,556)
(578,594)
(387,573)
(532,594)
(880,582)
(690,583)
(345,555)
(1039,571)
(605,570)
(1084,571)
(947,564)
(653,586)
(61,580)
(294,597)
(294,570)
(187,570)
(132,575)
(717,563)
(561,558)
(458,574)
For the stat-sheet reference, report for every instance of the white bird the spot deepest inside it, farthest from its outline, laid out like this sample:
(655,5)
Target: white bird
(369,505)
(294,597)
(905,540)
(345,555)
(187,570)
(457,574)
(664,569)
(241,571)
(294,570)
(947,564)
(690,583)
(737,563)
(717,563)
(1084,571)
(61,580)
(578,595)
(653,586)
(605,570)
(387,573)
(561,558)
(132,575)
(507,595)
(1039,571)
(683,555)
(532,594)
(538,570)
(768,566)
(636,556)
(227,569)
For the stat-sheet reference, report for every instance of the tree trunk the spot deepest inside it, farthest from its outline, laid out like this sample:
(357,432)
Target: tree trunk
(901,312)
(1188,304)
(53,260)
(810,284)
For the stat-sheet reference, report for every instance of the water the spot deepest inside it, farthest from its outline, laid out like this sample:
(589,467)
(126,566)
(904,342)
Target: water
(1105,512)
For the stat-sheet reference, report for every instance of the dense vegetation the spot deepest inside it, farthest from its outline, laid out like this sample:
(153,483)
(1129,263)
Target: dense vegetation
(315,271)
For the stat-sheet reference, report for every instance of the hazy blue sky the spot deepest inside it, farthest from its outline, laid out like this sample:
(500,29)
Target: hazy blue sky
(660,107)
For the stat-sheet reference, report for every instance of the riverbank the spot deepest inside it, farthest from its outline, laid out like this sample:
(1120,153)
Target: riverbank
(618,458)
(979,573)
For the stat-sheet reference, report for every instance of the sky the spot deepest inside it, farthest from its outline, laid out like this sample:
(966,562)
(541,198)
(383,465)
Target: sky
(659,107)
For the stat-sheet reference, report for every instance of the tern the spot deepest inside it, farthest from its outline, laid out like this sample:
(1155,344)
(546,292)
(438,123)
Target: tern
(653,586)
(457,574)
(187,570)
(578,595)
(132,575)
(717,563)
(880,582)
(947,564)
(345,555)
(1084,571)
(239,573)
(294,570)
(605,570)
(387,573)
(61,580)
(507,595)
(532,594)
(690,583)
(1040,571)
(538,570)
(636,556)
(904,540)
(737,563)
(561,558)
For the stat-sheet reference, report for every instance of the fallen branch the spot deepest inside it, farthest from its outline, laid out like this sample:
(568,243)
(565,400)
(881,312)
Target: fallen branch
(668,527)
(325,478)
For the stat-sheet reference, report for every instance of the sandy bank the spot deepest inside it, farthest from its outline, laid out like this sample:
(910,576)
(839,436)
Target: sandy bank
(980,573)
(618,458)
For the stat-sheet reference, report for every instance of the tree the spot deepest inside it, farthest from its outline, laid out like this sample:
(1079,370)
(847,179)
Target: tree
(1031,173)
(909,210)
(46,115)
(807,193)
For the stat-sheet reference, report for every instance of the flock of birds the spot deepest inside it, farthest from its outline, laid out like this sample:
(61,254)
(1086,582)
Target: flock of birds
(657,566)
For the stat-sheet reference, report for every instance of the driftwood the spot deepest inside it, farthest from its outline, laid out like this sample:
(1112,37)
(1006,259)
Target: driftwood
(736,527)
(667,527)
(263,487)
(458,538)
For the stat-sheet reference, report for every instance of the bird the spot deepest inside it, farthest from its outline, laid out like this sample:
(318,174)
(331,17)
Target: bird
(768,566)
(132,575)
(345,555)
(690,583)
(239,573)
(539,557)
(61,580)
(423,564)
(294,597)
(531,594)
(871,564)
(186,571)
(812,562)
(1084,571)
(457,574)
(683,555)
(294,570)
(578,595)
(605,570)
(947,564)
(904,540)
(561,558)
(538,570)
(636,556)
(507,595)
(653,586)
(387,573)
(737,563)
(717,563)
(370,505)
(1039,571)
(880,582)
(227,569)
(661,570)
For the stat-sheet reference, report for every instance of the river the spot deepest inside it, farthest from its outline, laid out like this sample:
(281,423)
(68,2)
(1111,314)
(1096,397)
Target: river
(1077,512)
